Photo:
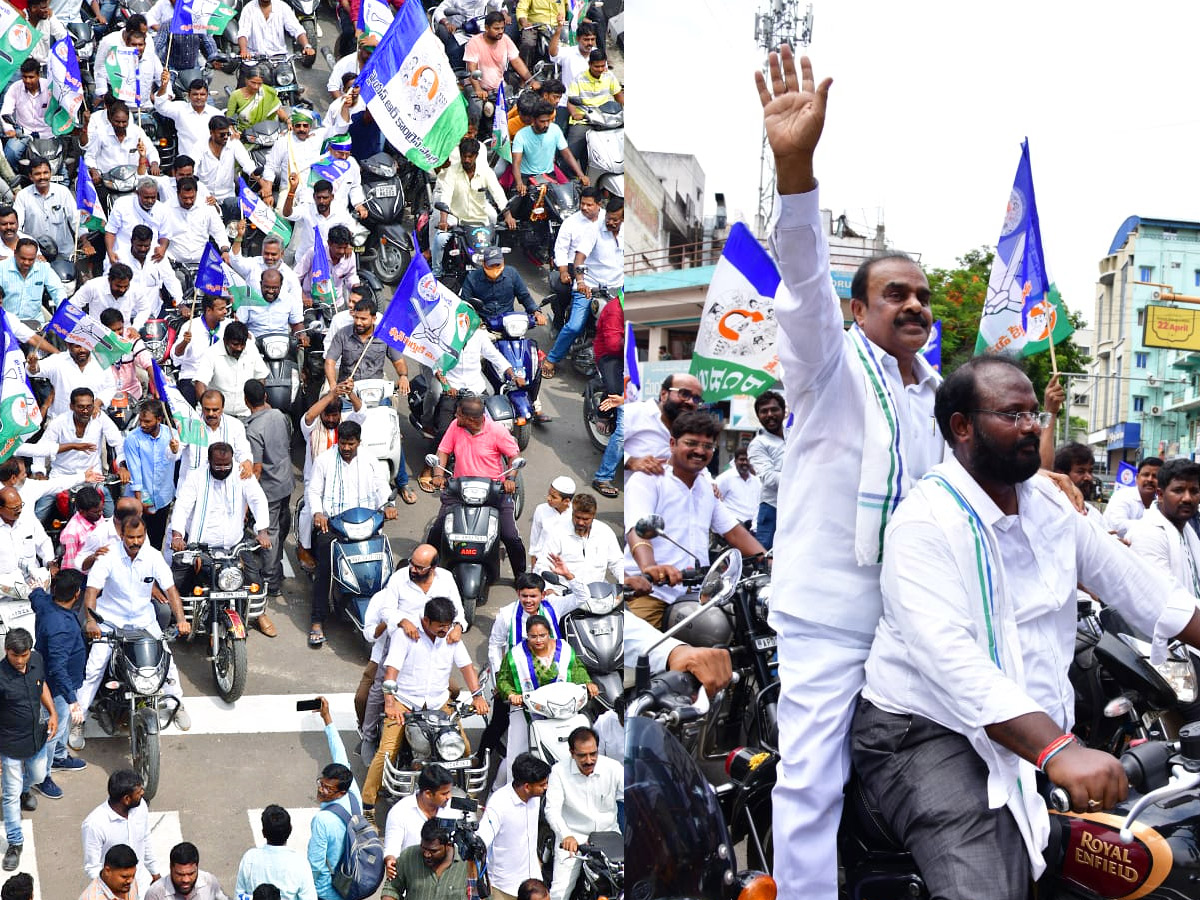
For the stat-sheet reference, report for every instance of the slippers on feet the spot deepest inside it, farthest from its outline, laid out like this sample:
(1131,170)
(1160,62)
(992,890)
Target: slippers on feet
(425,482)
(315,638)
(408,496)
(605,489)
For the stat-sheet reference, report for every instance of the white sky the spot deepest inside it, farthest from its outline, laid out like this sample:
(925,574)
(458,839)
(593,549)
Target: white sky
(928,108)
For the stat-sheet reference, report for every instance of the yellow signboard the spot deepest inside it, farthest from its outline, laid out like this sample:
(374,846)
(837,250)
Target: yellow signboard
(1172,327)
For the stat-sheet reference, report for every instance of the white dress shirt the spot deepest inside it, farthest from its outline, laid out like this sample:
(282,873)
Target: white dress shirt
(229,430)
(423,669)
(212,511)
(348,63)
(279,163)
(591,558)
(191,229)
(217,172)
(825,391)
(400,599)
(574,229)
(325,439)
(103,829)
(605,257)
(64,375)
(1124,508)
(404,823)
(305,218)
(645,433)
(53,215)
(578,805)
(509,830)
(337,486)
(105,152)
(127,213)
(96,296)
(766,453)
(221,372)
(740,495)
(1167,548)
(639,636)
(468,374)
(191,126)
(125,585)
(150,277)
(268,36)
(99,431)
(690,513)
(278,315)
(22,544)
(189,360)
(103,535)
(931,655)
(252,267)
(545,519)
(149,75)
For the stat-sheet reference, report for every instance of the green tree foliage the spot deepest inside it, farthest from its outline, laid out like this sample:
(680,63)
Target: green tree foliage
(958,296)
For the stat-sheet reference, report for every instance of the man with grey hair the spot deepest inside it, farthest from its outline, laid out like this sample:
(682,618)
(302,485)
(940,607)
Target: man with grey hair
(24,693)
(291,296)
(140,208)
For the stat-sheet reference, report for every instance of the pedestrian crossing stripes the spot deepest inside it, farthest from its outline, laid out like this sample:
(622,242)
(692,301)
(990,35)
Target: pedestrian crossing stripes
(255,714)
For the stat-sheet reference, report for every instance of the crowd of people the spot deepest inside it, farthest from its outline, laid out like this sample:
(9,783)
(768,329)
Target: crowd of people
(150,491)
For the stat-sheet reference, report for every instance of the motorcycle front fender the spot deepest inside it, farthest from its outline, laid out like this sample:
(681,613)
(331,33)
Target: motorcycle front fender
(471,580)
(520,402)
(233,623)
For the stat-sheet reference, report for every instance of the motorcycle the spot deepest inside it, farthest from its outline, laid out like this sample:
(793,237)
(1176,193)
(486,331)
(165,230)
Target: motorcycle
(278,350)
(118,181)
(220,606)
(388,248)
(599,424)
(433,736)
(464,249)
(306,13)
(581,352)
(602,867)
(552,203)
(522,354)
(361,561)
(50,148)
(259,139)
(596,633)
(606,147)
(132,696)
(279,71)
(470,548)
(63,508)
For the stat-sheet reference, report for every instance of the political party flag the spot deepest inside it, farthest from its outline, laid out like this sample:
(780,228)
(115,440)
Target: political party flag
(322,271)
(210,276)
(75,326)
(932,351)
(735,345)
(181,416)
(502,143)
(122,69)
(241,291)
(426,320)
(375,17)
(91,213)
(66,87)
(17,40)
(19,412)
(578,9)
(329,169)
(1023,313)
(201,16)
(410,90)
(1126,474)
(633,371)
(261,215)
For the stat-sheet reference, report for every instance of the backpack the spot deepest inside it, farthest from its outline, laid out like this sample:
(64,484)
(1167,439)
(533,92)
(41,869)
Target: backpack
(359,872)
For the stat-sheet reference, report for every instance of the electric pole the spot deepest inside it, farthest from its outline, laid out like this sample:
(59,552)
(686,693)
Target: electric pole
(777,24)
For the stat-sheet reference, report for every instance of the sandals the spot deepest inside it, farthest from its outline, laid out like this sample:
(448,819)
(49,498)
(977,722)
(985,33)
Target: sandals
(425,482)
(316,637)
(548,369)
(605,489)
(407,495)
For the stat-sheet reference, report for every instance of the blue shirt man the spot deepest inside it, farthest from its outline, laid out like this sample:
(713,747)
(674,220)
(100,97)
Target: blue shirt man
(150,455)
(61,643)
(328,831)
(23,278)
(495,288)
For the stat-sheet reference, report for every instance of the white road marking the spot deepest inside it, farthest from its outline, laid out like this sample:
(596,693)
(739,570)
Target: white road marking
(165,833)
(28,857)
(257,714)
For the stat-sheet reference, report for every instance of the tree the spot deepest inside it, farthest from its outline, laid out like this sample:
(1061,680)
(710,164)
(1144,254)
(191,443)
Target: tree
(957,300)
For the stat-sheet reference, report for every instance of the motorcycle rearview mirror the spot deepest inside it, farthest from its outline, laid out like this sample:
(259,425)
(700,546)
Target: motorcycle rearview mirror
(518,463)
(648,527)
(550,577)
(431,460)
(442,207)
(722,578)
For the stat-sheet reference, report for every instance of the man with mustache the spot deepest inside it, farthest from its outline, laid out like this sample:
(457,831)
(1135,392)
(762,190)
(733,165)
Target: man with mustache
(1162,536)
(1129,504)
(966,690)
(648,423)
(1075,460)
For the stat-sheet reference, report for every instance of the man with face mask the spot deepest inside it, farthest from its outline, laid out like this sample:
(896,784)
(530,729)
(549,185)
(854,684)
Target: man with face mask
(192,224)
(343,266)
(47,210)
(319,213)
(185,879)
(123,819)
(319,428)
(227,366)
(465,188)
(340,481)
(71,370)
(140,208)
(25,104)
(118,142)
(495,288)
(24,278)
(191,116)
(211,509)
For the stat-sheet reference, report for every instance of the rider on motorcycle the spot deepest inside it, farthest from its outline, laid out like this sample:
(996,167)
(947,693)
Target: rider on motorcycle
(462,188)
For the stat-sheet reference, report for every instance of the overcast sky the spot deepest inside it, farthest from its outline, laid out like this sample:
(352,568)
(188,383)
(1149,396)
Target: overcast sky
(928,108)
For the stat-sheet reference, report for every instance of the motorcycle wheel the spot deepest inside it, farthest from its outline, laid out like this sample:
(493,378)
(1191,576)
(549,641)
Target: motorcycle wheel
(389,263)
(599,439)
(229,668)
(468,604)
(143,734)
(310,31)
(519,501)
(521,433)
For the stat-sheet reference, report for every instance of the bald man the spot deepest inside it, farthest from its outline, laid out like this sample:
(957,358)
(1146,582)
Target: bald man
(23,542)
(648,423)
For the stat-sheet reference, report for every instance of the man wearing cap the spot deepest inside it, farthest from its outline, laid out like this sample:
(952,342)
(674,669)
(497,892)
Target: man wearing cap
(347,187)
(352,63)
(554,513)
(293,155)
(465,189)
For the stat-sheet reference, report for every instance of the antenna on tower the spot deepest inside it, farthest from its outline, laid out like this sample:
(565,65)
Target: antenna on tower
(776,24)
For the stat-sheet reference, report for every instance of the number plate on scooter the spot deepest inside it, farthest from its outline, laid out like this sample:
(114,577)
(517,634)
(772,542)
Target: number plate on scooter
(766,643)
(364,557)
(385,190)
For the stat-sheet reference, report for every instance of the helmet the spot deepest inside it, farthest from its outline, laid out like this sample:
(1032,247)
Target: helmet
(713,629)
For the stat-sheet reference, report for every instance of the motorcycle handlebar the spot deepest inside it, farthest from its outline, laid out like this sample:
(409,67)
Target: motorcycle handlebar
(1135,771)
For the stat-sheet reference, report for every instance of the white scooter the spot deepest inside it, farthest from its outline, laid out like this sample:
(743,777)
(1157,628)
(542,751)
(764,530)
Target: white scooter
(15,609)
(381,438)
(556,709)
(606,147)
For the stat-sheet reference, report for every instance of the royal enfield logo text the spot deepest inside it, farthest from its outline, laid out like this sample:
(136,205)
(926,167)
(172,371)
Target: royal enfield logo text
(1110,858)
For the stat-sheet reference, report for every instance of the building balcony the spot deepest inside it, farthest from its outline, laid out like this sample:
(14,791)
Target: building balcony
(1186,359)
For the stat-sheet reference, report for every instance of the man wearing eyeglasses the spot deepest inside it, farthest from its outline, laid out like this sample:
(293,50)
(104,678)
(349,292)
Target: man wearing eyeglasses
(648,423)
(686,502)
(23,542)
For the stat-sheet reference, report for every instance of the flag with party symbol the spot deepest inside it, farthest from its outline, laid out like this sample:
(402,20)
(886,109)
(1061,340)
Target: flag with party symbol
(75,326)
(427,321)
(260,214)
(66,87)
(91,214)
(181,415)
(502,142)
(122,70)
(322,271)
(375,17)
(329,169)
(201,16)
(17,40)
(19,412)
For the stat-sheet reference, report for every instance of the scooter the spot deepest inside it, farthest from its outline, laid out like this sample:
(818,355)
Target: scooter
(602,869)
(219,607)
(279,349)
(470,547)
(556,710)
(360,563)
(389,246)
(118,181)
(381,436)
(522,355)
(596,632)
(464,249)
(259,139)
(606,147)
(306,13)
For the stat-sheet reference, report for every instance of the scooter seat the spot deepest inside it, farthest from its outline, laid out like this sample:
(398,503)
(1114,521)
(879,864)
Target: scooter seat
(867,822)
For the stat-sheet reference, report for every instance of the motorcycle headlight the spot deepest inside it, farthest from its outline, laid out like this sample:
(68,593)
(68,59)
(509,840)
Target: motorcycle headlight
(145,680)
(762,603)
(284,76)
(475,492)
(275,346)
(448,524)
(451,746)
(359,531)
(417,740)
(1180,674)
(515,325)
(230,579)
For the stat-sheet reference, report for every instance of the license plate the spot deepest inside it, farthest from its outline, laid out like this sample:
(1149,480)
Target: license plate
(385,190)
(225,595)
(766,643)
(364,557)
(457,764)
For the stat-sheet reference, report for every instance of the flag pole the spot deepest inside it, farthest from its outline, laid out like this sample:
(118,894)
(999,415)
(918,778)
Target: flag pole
(1053,358)
(361,356)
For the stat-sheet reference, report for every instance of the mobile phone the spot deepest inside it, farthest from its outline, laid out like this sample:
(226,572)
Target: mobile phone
(308,705)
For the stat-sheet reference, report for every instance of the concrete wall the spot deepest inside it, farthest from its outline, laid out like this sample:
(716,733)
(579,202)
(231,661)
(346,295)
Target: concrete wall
(644,196)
